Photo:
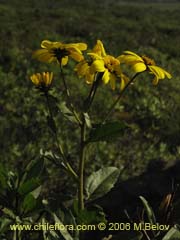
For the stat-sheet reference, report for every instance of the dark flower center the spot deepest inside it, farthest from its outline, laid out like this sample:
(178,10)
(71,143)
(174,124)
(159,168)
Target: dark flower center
(60,53)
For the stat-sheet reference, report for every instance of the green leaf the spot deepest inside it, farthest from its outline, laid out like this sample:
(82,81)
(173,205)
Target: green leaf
(149,211)
(29,203)
(48,235)
(94,215)
(87,120)
(29,186)
(103,132)
(9,213)
(63,231)
(35,168)
(101,182)
(67,112)
(4,225)
(36,192)
(172,234)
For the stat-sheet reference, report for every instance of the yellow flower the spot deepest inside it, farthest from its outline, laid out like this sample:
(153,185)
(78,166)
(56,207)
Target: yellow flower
(143,63)
(59,52)
(84,69)
(110,67)
(42,80)
(98,50)
(100,62)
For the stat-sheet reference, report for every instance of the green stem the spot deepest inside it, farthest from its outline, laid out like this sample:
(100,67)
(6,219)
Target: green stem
(67,165)
(118,98)
(86,107)
(89,100)
(69,96)
(81,166)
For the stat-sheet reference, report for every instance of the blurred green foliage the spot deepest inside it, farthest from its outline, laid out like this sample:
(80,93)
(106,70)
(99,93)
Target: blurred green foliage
(152,112)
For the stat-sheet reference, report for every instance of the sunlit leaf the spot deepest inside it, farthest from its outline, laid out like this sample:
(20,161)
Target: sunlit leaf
(9,213)
(63,231)
(87,120)
(149,211)
(172,234)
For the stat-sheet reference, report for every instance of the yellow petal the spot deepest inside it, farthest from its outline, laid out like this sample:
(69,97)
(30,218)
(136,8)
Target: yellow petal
(122,85)
(117,69)
(34,79)
(81,46)
(38,76)
(89,78)
(130,58)
(46,44)
(139,67)
(99,49)
(112,81)
(49,45)
(51,77)
(124,81)
(43,55)
(133,54)
(157,71)
(106,76)
(168,75)
(155,80)
(78,46)
(76,56)
(94,55)
(72,47)
(82,68)
(97,66)
(64,60)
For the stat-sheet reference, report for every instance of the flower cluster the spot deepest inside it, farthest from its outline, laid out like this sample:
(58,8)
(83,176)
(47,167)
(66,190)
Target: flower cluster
(100,62)
(97,61)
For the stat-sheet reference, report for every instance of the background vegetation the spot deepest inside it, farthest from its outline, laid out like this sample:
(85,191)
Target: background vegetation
(146,28)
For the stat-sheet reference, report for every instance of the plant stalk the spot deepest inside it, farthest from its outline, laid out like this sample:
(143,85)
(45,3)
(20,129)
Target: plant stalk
(118,98)
(89,100)
(81,166)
